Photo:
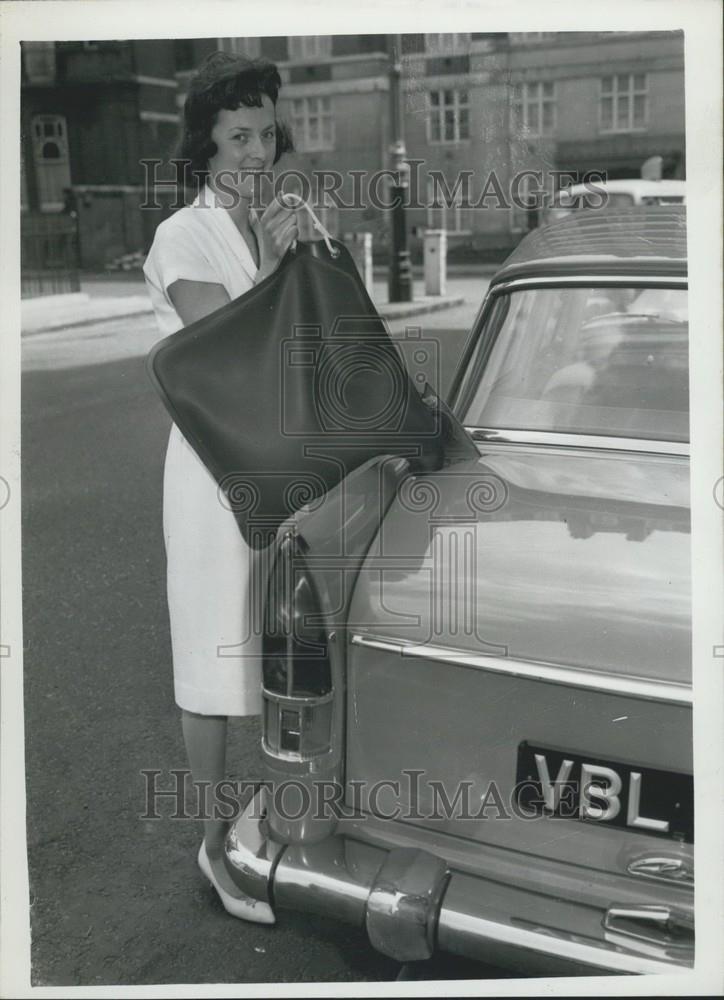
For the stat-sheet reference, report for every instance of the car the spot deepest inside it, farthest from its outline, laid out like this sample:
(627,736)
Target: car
(477,732)
(616,194)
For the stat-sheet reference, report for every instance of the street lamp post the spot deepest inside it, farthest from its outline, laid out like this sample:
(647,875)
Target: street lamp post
(400,276)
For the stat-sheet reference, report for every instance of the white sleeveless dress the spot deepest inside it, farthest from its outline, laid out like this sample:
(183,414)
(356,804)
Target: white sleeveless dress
(214,611)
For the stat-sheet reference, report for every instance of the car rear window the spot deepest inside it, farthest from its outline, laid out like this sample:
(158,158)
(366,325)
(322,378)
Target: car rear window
(608,361)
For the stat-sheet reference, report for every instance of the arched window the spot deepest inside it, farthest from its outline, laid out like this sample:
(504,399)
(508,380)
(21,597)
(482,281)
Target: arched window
(52,164)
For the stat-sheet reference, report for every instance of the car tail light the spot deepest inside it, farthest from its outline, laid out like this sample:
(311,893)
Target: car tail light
(296,667)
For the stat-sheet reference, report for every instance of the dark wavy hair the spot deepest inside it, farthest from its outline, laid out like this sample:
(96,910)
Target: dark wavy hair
(224,81)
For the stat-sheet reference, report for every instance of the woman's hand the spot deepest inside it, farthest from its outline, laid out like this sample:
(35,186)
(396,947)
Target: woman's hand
(276,229)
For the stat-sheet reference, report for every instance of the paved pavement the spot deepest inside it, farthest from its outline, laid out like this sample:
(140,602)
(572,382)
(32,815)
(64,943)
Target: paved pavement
(58,312)
(124,336)
(115,898)
(103,298)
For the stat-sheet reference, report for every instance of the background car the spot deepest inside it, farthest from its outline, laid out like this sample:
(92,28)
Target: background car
(616,194)
(477,701)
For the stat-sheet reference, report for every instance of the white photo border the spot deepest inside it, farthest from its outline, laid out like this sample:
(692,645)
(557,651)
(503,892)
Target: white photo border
(701,23)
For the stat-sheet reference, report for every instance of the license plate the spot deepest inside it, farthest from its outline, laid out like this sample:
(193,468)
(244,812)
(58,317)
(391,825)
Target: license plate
(573,785)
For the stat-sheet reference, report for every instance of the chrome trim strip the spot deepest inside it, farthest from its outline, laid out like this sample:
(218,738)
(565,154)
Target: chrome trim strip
(251,852)
(663,868)
(551,943)
(651,929)
(315,877)
(595,680)
(383,644)
(498,435)
(506,865)
(403,904)
(297,701)
(594,280)
(291,756)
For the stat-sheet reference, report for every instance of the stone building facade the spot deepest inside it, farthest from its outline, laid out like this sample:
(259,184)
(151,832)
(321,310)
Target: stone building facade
(478,109)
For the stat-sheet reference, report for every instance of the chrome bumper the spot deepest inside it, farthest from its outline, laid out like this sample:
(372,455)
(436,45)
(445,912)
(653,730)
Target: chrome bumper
(410,904)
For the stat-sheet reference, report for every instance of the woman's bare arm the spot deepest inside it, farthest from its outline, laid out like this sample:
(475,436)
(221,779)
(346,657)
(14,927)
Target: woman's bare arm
(193,300)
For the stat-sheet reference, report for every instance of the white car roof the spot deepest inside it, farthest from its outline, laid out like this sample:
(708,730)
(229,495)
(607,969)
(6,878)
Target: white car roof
(633,185)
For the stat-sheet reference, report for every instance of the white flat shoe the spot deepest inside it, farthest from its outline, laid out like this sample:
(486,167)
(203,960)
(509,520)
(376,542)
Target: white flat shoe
(242,906)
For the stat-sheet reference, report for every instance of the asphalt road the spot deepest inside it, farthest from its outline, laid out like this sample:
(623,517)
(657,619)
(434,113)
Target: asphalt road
(114,898)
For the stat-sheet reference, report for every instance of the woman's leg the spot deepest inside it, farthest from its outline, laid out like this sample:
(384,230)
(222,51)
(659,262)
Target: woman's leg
(205,738)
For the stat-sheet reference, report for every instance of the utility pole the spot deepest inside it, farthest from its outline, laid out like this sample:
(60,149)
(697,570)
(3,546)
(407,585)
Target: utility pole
(400,277)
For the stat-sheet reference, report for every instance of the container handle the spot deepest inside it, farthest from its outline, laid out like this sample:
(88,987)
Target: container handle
(288,200)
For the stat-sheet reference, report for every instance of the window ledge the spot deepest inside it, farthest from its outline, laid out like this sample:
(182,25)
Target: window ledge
(623,131)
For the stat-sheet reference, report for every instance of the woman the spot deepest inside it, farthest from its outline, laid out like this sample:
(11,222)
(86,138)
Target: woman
(202,257)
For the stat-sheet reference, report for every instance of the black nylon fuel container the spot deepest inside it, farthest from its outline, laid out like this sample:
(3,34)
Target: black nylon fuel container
(290,387)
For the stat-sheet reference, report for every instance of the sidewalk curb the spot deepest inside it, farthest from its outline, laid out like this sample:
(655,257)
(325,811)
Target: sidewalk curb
(68,324)
(401,310)
(40,302)
(388,310)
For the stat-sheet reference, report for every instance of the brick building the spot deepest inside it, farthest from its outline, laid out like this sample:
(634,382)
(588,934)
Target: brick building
(504,102)
(568,101)
(90,112)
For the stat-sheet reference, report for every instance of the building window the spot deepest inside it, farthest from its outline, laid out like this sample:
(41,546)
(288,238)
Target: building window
(532,37)
(183,53)
(534,106)
(309,46)
(249,47)
(439,44)
(440,215)
(50,155)
(623,104)
(312,123)
(39,61)
(448,116)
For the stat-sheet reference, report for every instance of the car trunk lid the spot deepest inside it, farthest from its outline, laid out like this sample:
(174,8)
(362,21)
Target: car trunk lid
(525,619)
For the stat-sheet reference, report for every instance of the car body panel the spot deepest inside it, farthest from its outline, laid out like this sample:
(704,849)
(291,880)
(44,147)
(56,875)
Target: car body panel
(455,725)
(615,195)
(650,242)
(581,557)
(529,603)
(564,556)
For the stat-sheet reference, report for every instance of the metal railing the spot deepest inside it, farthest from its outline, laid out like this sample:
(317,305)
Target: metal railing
(49,255)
